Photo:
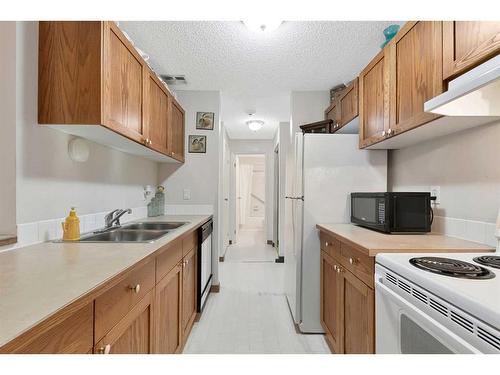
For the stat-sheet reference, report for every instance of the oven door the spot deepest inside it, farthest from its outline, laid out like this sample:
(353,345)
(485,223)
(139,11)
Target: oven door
(401,328)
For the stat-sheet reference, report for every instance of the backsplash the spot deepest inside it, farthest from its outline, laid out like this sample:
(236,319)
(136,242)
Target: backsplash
(476,231)
(48,230)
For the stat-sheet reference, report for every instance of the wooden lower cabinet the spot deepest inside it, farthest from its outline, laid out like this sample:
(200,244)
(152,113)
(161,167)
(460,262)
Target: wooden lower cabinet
(347,303)
(358,315)
(189,297)
(168,305)
(133,334)
(71,335)
(331,302)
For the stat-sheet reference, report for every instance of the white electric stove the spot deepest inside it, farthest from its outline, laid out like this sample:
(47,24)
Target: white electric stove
(437,303)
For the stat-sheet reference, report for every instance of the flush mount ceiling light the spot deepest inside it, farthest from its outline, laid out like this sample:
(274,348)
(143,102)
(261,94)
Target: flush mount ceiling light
(255,125)
(262,26)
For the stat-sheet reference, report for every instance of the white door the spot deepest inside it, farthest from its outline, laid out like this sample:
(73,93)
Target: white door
(238,197)
(225,193)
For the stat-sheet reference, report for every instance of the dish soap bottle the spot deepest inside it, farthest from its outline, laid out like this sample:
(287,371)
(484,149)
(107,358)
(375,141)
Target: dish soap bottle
(71,227)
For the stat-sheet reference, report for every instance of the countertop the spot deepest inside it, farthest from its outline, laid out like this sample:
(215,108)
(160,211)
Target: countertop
(372,242)
(37,281)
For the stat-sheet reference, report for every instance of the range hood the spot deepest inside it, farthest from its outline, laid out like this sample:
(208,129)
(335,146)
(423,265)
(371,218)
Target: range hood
(475,93)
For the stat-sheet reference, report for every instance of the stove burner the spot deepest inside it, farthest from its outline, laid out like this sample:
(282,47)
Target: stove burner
(488,260)
(452,267)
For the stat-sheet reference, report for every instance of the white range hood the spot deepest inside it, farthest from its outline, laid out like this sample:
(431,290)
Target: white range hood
(475,93)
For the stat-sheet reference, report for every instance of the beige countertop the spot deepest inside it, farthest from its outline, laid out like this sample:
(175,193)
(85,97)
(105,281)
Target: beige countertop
(373,242)
(37,281)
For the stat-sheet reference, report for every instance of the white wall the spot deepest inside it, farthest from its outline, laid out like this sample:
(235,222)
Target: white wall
(466,165)
(200,172)
(8,126)
(256,147)
(48,182)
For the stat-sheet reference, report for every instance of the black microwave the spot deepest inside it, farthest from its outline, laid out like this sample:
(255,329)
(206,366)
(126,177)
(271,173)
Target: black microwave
(392,212)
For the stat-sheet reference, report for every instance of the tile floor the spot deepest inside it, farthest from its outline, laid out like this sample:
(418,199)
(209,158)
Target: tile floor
(250,314)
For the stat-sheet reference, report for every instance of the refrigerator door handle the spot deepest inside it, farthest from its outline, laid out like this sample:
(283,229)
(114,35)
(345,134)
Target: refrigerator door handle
(297,198)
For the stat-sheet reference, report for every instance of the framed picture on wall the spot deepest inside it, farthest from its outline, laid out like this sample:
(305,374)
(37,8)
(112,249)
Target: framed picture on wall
(197,144)
(205,120)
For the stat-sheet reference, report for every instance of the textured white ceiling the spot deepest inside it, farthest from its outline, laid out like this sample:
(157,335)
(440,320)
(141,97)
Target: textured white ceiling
(258,71)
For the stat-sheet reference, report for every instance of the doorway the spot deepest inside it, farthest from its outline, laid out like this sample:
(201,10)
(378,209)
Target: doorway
(250,193)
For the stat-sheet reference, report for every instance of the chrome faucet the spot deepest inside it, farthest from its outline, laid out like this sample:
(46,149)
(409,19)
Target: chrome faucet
(113,218)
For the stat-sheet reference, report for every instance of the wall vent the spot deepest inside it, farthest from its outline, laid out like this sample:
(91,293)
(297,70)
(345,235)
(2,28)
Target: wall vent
(174,79)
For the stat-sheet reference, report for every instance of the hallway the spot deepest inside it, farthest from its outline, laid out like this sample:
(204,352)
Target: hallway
(250,314)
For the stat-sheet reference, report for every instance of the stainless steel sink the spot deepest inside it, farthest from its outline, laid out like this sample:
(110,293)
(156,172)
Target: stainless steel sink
(125,235)
(154,225)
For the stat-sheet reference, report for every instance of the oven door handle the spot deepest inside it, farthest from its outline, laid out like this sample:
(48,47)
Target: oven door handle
(416,312)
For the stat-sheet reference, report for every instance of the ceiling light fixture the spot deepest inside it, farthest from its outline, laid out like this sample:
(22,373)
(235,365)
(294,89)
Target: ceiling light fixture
(255,125)
(261,26)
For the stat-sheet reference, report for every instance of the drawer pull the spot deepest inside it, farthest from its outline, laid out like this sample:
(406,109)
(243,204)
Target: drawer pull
(136,288)
(105,350)
(353,260)
(327,244)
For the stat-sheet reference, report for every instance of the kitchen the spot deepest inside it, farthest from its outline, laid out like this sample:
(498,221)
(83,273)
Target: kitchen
(381,195)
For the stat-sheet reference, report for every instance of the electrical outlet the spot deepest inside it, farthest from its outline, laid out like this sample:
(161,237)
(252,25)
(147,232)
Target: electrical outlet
(436,192)
(186,194)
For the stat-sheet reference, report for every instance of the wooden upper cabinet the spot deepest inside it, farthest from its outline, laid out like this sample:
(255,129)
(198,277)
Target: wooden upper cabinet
(69,73)
(373,101)
(348,103)
(123,84)
(176,127)
(168,317)
(415,74)
(133,334)
(331,294)
(467,44)
(358,316)
(156,114)
(91,74)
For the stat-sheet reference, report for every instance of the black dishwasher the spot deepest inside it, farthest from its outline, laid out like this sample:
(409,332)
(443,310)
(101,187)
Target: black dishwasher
(204,263)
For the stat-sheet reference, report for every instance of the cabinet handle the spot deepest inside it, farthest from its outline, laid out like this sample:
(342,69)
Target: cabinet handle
(389,132)
(383,133)
(105,349)
(136,288)
(327,244)
(335,267)
(353,260)
(150,142)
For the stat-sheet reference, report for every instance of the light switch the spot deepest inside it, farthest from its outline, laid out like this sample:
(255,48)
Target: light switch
(187,194)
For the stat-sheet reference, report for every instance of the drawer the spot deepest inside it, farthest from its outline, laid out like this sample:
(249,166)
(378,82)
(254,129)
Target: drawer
(119,300)
(168,259)
(189,242)
(329,244)
(361,265)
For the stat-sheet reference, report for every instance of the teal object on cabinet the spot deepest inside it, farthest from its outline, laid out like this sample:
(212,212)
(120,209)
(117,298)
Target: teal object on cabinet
(389,33)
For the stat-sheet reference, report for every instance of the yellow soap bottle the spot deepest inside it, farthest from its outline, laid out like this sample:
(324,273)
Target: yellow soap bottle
(71,227)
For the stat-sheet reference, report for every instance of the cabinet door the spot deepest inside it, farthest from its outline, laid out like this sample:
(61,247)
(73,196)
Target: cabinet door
(373,102)
(415,74)
(176,131)
(123,85)
(331,297)
(156,114)
(168,305)
(333,113)
(72,335)
(189,291)
(348,103)
(359,315)
(467,44)
(133,334)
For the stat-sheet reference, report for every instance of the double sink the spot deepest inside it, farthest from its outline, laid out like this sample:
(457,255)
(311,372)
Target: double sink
(133,232)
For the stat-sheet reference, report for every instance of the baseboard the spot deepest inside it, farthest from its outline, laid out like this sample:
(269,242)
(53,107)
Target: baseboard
(280,259)
(221,259)
(215,288)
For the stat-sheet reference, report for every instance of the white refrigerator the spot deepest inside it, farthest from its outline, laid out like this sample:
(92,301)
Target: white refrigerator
(328,168)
